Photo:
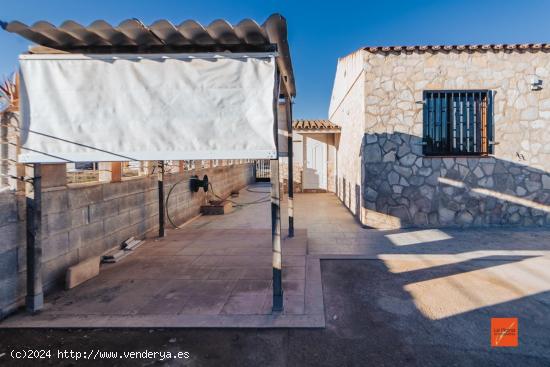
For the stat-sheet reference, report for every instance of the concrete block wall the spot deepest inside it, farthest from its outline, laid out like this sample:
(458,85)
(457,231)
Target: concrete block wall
(12,249)
(84,220)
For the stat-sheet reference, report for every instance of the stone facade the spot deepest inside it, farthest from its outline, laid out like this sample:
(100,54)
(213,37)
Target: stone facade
(402,188)
(84,220)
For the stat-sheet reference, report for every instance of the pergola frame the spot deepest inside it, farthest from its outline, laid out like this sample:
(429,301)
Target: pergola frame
(73,38)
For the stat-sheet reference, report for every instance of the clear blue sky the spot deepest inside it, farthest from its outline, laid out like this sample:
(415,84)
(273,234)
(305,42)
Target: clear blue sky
(319,31)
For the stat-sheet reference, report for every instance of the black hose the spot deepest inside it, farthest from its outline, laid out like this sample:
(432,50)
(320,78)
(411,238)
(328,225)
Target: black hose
(166,203)
(263,199)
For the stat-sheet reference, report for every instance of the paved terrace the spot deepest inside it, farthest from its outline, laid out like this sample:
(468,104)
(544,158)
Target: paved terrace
(216,272)
(213,272)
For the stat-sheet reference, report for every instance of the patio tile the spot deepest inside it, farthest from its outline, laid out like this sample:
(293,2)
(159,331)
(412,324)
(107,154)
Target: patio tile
(226,273)
(167,303)
(205,260)
(209,287)
(126,298)
(295,251)
(191,251)
(191,273)
(250,251)
(250,286)
(294,304)
(246,261)
(293,260)
(172,259)
(294,272)
(204,305)
(294,287)
(158,251)
(265,273)
(247,305)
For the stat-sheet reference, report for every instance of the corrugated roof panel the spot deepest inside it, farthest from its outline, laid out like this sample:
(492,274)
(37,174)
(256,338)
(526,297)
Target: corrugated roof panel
(223,33)
(196,33)
(111,35)
(139,34)
(168,33)
(162,36)
(249,31)
(82,34)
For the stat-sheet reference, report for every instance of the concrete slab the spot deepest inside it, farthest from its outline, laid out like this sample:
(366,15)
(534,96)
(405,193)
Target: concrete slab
(82,272)
(214,272)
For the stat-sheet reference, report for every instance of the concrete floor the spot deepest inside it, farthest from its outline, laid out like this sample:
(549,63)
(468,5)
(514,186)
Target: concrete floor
(409,297)
(216,271)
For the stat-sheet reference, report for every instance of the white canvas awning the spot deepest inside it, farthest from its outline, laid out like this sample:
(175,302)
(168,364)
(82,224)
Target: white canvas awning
(148,107)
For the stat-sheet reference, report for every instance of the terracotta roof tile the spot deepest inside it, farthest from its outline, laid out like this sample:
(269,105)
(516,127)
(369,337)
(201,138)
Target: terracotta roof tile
(314,125)
(438,48)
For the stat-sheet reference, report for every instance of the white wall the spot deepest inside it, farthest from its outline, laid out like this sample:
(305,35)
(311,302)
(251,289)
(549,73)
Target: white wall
(347,109)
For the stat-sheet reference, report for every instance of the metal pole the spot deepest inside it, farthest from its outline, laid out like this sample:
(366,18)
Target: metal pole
(276,237)
(290,170)
(35,296)
(160,181)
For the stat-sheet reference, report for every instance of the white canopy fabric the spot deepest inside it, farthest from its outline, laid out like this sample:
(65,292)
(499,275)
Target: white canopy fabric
(82,108)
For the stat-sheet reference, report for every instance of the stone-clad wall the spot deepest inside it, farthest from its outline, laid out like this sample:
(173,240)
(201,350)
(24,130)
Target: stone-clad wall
(434,191)
(403,188)
(380,151)
(84,220)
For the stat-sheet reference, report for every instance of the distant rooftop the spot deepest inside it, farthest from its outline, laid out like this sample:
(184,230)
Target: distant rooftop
(314,125)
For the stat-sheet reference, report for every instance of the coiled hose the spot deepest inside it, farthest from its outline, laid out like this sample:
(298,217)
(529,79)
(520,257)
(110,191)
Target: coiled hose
(263,199)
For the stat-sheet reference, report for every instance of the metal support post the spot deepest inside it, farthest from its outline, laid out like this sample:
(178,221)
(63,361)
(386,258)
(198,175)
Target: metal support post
(276,237)
(290,170)
(35,295)
(160,181)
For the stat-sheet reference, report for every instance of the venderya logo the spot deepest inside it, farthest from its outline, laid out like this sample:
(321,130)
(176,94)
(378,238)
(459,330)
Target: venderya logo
(504,332)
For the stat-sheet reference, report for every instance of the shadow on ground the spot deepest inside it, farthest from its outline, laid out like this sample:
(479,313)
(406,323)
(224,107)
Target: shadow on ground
(372,319)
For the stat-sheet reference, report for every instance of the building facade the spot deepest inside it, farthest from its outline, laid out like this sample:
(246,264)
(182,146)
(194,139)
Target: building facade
(441,136)
(314,150)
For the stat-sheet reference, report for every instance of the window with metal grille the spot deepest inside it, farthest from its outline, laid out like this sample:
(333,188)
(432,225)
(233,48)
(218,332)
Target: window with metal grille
(458,122)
